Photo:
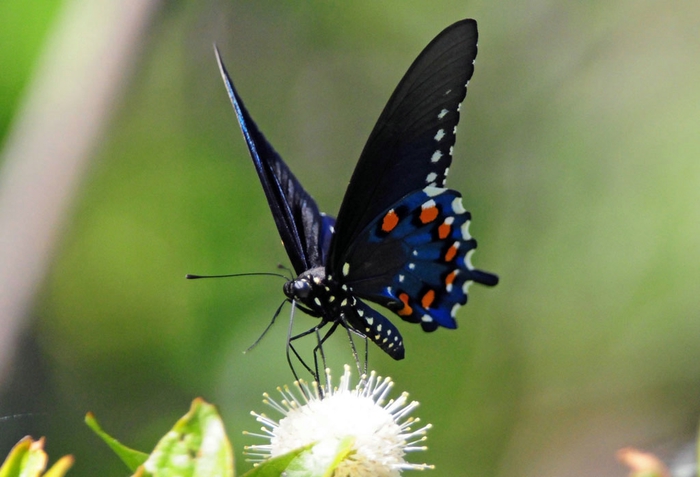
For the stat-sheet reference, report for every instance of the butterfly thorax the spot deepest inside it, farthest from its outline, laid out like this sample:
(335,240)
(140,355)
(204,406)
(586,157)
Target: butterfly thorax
(318,294)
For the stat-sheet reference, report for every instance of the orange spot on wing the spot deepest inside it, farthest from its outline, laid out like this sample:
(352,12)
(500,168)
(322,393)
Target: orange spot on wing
(428,299)
(428,214)
(406,310)
(444,230)
(450,278)
(451,253)
(390,221)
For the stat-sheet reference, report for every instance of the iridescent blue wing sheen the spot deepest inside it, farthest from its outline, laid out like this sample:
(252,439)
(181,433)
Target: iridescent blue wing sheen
(305,232)
(401,238)
(415,259)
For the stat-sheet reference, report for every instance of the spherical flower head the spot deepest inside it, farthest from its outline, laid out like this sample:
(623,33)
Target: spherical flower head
(379,430)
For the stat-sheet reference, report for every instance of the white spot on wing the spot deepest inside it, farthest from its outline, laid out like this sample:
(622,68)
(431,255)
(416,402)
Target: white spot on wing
(411,266)
(457,206)
(429,204)
(431,191)
(439,135)
(346,269)
(442,114)
(436,156)
(401,278)
(468,260)
(430,178)
(455,308)
(426,318)
(465,231)
(465,287)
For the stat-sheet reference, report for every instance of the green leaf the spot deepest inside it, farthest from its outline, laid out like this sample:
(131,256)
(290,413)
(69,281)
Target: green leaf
(28,459)
(132,458)
(311,461)
(274,467)
(196,446)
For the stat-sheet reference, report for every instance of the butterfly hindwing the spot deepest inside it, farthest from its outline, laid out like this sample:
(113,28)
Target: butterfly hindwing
(304,231)
(410,147)
(415,259)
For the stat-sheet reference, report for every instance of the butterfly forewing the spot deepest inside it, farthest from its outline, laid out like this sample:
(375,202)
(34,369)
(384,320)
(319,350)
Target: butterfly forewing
(402,239)
(410,147)
(305,232)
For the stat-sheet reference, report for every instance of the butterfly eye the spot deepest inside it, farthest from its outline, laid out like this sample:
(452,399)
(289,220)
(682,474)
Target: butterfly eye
(301,289)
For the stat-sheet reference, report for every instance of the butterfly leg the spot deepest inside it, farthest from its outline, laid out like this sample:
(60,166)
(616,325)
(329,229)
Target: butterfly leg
(350,331)
(319,348)
(272,322)
(290,346)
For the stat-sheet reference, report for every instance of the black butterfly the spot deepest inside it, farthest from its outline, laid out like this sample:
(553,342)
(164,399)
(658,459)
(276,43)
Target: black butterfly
(401,238)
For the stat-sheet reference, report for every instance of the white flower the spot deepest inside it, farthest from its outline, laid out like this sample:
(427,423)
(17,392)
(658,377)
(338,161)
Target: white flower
(380,433)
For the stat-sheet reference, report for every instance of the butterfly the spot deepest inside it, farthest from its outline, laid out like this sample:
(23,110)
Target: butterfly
(401,237)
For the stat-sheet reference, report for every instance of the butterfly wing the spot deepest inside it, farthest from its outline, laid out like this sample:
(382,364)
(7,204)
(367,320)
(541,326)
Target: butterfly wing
(410,147)
(401,238)
(305,232)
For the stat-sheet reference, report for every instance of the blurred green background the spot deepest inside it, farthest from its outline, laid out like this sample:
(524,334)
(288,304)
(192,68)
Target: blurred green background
(577,154)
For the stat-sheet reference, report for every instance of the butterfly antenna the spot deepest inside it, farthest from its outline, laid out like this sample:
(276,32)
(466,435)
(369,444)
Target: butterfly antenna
(272,322)
(286,269)
(190,276)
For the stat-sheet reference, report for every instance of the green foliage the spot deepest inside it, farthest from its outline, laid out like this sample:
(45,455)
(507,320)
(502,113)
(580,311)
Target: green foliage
(28,459)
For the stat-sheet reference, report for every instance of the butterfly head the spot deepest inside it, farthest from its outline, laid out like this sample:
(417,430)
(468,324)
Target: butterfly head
(313,291)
